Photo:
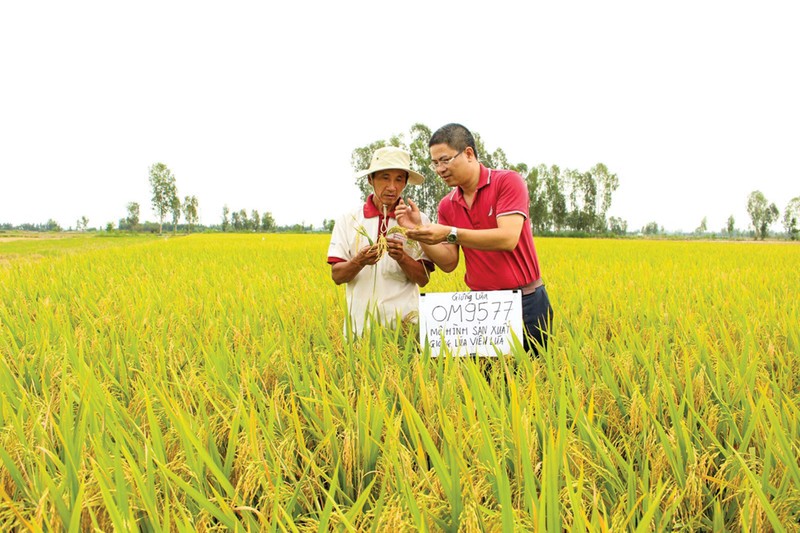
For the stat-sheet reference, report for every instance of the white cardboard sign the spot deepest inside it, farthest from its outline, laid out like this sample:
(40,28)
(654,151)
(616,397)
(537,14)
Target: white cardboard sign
(470,323)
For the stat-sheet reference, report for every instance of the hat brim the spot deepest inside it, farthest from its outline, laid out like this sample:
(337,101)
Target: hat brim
(414,178)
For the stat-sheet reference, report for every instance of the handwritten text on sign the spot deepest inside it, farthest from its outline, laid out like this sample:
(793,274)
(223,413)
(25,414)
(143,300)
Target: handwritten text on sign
(470,323)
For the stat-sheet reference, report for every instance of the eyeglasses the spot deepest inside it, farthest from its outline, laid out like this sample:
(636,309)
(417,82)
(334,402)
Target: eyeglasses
(445,161)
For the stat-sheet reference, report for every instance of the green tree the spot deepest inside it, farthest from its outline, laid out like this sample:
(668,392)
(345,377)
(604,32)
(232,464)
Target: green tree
(82,223)
(175,209)
(52,225)
(433,189)
(236,221)
(537,192)
(791,218)
(731,227)
(244,222)
(225,220)
(267,221)
(703,227)
(607,184)
(761,214)
(164,190)
(190,211)
(255,220)
(556,198)
(583,200)
(651,228)
(617,226)
(133,215)
(496,159)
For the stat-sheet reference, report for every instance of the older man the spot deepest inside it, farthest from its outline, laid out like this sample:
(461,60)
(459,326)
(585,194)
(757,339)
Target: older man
(382,270)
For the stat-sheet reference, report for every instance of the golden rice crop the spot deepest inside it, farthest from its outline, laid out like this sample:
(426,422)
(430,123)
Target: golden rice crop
(202,383)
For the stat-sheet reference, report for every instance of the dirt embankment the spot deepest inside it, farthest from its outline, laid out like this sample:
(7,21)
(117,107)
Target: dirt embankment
(34,236)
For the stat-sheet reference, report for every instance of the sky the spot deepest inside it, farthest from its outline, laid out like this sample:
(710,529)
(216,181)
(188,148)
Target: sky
(259,105)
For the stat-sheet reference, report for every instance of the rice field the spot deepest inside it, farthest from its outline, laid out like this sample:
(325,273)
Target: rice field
(202,383)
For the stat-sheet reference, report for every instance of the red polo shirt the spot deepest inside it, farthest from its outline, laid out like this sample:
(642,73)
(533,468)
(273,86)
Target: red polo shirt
(500,192)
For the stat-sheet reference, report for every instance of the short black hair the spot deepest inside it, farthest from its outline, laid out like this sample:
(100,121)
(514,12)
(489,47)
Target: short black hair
(455,136)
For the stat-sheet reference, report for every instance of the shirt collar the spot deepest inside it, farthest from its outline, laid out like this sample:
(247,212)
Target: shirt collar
(370,211)
(483,180)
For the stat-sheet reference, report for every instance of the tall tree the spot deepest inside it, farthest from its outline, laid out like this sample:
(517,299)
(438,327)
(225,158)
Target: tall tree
(52,225)
(651,228)
(243,220)
(433,188)
(791,218)
(162,183)
(583,200)
(731,227)
(539,213)
(133,215)
(255,219)
(617,226)
(607,184)
(703,227)
(496,159)
(225,219)
(556,198)
(175,209)
(761,214)
(267,221)
(190,211)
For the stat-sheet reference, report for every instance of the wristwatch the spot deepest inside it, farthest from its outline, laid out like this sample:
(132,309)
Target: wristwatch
(452,237)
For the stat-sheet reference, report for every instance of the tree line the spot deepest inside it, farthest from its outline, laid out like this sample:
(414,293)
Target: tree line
(239,221)
(561,200)
(763,214)
(166,200)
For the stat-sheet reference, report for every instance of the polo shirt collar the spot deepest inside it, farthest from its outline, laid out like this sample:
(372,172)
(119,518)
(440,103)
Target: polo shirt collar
(483,181)
(370,211)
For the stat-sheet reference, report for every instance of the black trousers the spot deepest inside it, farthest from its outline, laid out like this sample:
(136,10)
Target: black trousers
(537,316)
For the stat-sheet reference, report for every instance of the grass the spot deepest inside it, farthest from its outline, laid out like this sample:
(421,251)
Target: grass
(203,384)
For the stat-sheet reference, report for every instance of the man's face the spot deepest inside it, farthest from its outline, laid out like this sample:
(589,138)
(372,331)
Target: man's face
(451,165)
(388,186)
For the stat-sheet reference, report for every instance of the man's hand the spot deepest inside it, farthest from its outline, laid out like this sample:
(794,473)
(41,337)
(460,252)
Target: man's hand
(407,215)
(430,234)
(368,255)
(395,248)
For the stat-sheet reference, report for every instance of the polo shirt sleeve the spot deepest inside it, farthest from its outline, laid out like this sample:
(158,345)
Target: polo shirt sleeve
(338,251)
(512,195)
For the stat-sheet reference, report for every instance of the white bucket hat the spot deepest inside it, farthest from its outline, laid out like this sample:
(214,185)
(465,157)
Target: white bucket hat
(392,157)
